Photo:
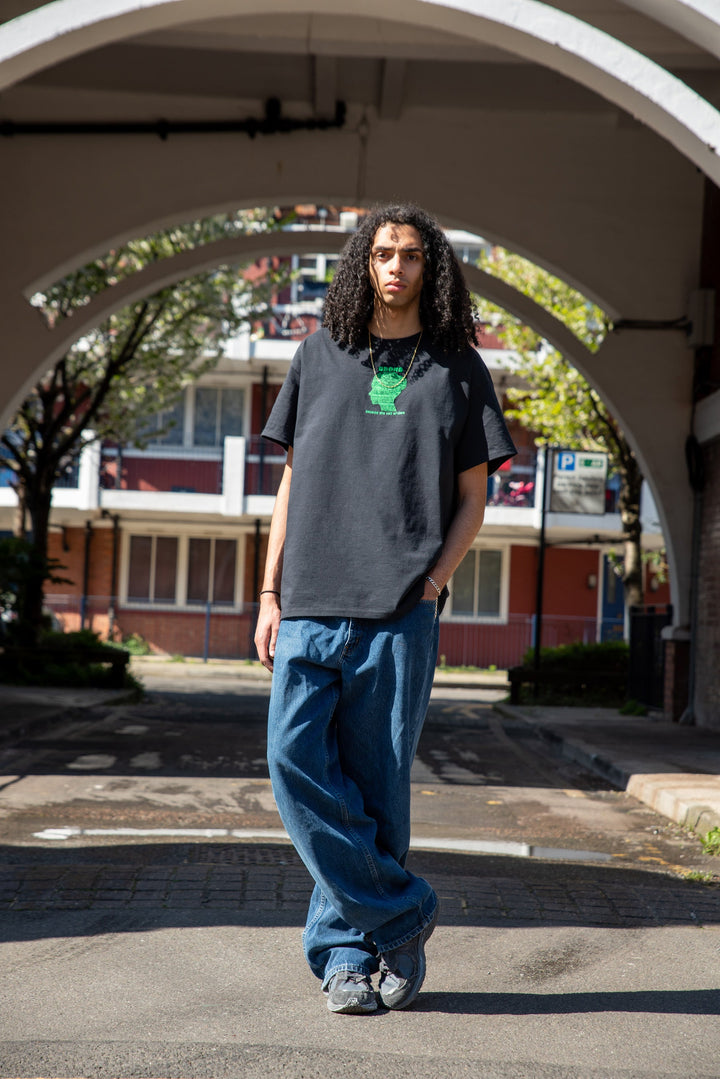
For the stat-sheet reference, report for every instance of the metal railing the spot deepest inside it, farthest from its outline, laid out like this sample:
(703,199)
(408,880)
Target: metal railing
(220,632)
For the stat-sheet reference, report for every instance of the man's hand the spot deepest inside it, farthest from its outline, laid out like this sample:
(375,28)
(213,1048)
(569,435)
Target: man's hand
(267,627)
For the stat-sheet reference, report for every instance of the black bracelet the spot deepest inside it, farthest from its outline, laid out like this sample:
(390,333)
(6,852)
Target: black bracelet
(270,590)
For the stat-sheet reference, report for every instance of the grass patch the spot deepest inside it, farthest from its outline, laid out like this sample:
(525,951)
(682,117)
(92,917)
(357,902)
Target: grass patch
(135,645)
(711,842)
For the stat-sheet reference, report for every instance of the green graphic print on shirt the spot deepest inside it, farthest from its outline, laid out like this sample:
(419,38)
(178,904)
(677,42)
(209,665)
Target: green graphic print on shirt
(384,396)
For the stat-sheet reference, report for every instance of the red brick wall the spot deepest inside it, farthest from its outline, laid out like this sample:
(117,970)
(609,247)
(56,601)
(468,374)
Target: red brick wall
(183,632)
(73,560)
(565,589)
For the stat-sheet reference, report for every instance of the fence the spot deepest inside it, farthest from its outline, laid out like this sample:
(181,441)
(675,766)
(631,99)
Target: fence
(218,633)
(646,674)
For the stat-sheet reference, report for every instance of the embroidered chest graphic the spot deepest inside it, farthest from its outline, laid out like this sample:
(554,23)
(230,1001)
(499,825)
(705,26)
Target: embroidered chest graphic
(388,382)
(386,387)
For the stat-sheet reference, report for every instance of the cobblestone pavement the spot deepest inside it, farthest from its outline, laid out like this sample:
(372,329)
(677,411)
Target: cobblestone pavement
(260,881)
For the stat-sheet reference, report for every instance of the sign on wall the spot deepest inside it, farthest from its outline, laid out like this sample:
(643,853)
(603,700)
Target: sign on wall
(578,482)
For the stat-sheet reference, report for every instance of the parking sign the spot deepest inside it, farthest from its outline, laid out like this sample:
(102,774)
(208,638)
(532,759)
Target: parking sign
(578,482)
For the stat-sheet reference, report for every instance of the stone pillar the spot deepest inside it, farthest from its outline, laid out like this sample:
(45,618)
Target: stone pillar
(677,671)
(707,652)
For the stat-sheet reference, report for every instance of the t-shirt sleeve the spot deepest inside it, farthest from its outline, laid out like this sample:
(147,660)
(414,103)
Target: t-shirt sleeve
(280,426)
(485,436)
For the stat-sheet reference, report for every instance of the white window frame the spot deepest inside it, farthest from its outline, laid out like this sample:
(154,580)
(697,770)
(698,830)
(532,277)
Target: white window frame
(190,413)
(501,617)
(181,603)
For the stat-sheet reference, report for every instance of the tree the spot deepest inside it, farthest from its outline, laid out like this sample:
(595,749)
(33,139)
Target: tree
(556,402)
(128,369)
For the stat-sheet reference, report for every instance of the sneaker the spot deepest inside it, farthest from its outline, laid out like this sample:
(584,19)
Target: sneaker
(402,971)
(350,993)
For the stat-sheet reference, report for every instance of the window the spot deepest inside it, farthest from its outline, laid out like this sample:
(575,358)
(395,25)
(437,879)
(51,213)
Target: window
(476,586)
(314,275)
(218,414)
(165,428)
(211,571)
(152,572)
(182,570)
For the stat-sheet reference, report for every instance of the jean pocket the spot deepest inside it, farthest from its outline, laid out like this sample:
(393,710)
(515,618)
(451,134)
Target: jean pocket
(433,603)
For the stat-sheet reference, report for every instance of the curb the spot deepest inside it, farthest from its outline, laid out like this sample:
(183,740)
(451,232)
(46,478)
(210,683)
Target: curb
(242,670)
(578,752)
(679,796)
(21,727)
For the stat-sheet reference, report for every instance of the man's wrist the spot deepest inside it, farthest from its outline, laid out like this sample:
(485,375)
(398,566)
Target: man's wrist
(434,583)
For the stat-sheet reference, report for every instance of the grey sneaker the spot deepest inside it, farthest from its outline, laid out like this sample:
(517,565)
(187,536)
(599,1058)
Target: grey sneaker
(350,993)
(402,971)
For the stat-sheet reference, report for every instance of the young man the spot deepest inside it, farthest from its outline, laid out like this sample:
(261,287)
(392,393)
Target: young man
(391,426)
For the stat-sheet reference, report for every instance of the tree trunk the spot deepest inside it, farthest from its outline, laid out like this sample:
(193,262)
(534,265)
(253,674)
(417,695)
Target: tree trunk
(20,523)
(37,501)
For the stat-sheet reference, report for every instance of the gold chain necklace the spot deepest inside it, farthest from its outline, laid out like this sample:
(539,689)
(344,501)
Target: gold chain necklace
(392,385)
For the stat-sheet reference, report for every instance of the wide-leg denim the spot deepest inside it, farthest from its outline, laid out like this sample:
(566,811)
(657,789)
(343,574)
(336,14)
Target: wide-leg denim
(348,701)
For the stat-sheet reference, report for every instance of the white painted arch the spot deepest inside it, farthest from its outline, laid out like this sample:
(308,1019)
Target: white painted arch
(697,20)
(46,347)
(536,31)
(244,249)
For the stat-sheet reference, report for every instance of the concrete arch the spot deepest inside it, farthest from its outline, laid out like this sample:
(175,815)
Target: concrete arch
(615,358)
(169,271)
(634,202)
(528,28)
(697,20)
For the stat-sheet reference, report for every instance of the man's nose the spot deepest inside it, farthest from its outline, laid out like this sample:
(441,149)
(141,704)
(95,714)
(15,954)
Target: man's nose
(396,264)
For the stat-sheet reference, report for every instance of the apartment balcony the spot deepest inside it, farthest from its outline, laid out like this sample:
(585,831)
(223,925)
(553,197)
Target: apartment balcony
(240,479)
(237,480)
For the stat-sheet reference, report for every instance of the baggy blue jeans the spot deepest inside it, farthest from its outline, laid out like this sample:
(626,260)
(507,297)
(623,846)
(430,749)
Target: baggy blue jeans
(348,701)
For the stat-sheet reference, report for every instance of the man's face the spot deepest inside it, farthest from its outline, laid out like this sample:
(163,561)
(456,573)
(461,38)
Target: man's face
(396,265)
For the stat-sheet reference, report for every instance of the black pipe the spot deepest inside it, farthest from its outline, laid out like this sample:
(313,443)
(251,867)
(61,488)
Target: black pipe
(541,570)
(263,421)
(272,123)
(256,586)
(113,577)
(86,573)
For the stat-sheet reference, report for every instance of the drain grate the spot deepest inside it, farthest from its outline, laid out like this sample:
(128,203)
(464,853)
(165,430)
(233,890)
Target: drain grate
(242,854)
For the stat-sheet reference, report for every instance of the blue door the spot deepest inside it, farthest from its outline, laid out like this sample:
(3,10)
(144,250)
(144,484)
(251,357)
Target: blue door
(613,604)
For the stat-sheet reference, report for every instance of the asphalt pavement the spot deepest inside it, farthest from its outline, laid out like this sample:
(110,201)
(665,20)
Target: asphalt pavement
(671,768)
(180,956)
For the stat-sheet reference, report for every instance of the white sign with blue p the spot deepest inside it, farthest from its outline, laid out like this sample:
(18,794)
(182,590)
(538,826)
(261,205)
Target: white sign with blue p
(578,480)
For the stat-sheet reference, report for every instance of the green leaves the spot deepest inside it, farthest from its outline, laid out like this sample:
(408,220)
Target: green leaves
(129,368)
(552,398)
(140,359)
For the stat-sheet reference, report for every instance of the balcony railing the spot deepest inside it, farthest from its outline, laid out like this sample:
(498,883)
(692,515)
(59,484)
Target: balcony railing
(242,477)
(188,473)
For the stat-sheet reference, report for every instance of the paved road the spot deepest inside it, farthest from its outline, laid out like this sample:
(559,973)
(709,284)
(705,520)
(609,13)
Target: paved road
(571,943)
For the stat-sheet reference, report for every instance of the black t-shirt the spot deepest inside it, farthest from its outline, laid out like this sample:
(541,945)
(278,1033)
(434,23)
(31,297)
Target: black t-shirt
(375,465)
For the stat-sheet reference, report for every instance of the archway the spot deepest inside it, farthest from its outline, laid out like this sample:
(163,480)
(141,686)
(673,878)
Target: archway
(539,152)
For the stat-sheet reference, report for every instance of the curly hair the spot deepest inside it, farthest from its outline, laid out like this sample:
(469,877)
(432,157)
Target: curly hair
(446,311)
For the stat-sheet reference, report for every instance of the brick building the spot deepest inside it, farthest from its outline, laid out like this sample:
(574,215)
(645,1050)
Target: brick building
(168,543)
